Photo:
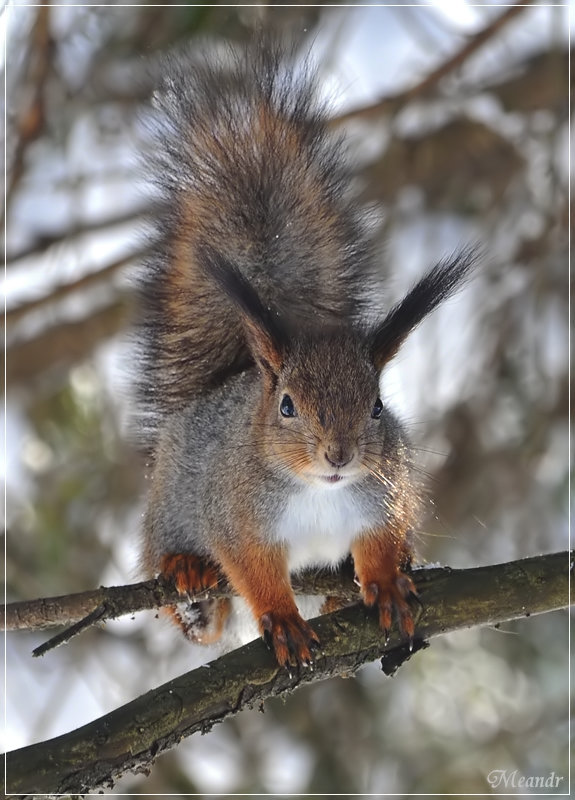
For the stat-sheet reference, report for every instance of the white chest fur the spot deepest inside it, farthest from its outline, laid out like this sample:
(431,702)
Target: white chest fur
(319,524)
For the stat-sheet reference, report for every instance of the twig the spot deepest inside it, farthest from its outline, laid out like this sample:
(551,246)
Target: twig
(132,736)
(97,615)
(396,101)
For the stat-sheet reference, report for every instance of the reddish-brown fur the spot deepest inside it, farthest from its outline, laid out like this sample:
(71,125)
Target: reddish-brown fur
(260,575)
(189,573)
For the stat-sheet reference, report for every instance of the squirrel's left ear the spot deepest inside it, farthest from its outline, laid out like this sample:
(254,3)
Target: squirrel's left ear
(266,335)
(439,284)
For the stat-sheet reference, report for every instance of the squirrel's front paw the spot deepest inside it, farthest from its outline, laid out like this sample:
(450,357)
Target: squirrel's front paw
(389,594)
(291,638)
(190,574)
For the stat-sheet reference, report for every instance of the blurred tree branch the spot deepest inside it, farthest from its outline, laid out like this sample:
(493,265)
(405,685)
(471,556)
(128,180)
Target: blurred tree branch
(65,343)
(394,102)
(487,164)
(31,118)
(130,738)
(95,277)
(43,242)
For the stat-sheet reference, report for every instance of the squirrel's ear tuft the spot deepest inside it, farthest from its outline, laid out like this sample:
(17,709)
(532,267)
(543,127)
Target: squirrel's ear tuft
(439,284)
(265,334)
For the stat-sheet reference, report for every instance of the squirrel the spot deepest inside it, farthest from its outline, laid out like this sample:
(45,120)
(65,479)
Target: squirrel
(271,448)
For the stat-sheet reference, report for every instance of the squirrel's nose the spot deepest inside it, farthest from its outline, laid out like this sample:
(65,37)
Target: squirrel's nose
(338,456)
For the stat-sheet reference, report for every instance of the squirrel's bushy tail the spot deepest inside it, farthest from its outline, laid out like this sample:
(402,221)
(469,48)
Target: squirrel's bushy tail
(246,168)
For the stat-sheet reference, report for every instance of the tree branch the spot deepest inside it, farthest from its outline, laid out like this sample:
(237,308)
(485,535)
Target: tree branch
(69,609)
(132,736)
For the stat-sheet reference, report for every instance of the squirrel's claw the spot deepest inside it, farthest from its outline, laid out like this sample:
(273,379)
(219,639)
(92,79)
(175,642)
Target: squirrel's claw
(291,638)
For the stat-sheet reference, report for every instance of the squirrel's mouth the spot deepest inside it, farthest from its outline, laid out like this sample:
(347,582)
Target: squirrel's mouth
(339,478)
(332,478)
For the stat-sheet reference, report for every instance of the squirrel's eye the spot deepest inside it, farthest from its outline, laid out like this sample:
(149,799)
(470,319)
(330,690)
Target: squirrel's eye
(377,409)
(287,407)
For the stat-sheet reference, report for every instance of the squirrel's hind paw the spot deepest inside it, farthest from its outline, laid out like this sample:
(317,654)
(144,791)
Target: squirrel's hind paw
(290,637)
(190,574)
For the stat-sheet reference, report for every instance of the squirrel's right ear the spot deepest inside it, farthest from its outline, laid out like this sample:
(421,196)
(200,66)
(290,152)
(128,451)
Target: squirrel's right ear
(266,335)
